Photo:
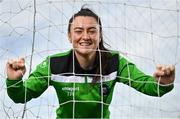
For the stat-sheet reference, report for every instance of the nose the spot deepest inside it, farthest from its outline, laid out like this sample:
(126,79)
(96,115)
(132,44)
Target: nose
(85,35)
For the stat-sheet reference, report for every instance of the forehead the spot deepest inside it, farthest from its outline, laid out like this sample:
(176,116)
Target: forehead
(84,21)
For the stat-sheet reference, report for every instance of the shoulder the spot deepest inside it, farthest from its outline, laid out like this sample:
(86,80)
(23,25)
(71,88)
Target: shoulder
(61,62)
(62,54)
(116,55)
(60,57)
(51,59)
(121,56)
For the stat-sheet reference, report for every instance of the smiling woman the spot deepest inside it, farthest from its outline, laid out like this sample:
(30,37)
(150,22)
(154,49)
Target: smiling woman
(85,38)
(85,34)
(85,76)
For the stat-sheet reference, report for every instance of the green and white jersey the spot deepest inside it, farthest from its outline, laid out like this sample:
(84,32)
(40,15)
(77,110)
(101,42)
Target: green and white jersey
(77,95)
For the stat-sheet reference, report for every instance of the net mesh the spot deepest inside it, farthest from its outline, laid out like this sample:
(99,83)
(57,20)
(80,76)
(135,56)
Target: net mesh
(145,32)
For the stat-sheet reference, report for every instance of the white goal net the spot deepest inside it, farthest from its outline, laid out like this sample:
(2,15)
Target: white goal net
(147,32)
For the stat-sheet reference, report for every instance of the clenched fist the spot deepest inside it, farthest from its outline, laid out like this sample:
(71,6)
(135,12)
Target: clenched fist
(15,68)
(165,74)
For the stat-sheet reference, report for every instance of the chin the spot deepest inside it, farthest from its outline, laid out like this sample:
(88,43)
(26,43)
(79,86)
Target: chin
(85,51)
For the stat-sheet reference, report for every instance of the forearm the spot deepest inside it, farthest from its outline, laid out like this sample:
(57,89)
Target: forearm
(21,92)
(132,76)
(33,87)
(149,86)
(17,92)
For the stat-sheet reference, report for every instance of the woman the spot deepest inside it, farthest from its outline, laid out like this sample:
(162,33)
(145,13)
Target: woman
(85,76)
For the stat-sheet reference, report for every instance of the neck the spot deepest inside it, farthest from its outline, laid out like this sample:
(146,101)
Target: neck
(86,61)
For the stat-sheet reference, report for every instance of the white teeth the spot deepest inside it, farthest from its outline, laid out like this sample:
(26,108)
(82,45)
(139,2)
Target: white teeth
(85,43)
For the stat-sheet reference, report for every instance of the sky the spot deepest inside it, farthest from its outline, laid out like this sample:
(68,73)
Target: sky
(146,32)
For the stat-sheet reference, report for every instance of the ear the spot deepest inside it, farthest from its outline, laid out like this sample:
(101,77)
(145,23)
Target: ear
(69,37)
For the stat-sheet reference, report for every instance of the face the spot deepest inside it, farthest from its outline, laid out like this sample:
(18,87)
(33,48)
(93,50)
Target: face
(84,35)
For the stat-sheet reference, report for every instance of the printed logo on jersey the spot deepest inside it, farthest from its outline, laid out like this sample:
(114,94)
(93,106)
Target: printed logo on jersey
(70,90)
(105,89)
(43,64)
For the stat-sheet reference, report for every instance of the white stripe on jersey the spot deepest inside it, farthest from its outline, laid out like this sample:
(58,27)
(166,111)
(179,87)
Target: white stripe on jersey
(81,79)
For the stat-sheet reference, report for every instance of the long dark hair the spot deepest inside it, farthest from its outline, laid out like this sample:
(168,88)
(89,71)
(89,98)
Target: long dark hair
(102,52)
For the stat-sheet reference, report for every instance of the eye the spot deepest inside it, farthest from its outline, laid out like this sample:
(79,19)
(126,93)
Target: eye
(78,31)
(92,31)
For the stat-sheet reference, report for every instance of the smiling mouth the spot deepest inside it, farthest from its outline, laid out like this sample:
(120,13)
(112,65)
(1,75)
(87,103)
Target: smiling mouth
(85,44)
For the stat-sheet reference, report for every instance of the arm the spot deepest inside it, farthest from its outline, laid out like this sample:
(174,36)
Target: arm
(33,87)
(131,75)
